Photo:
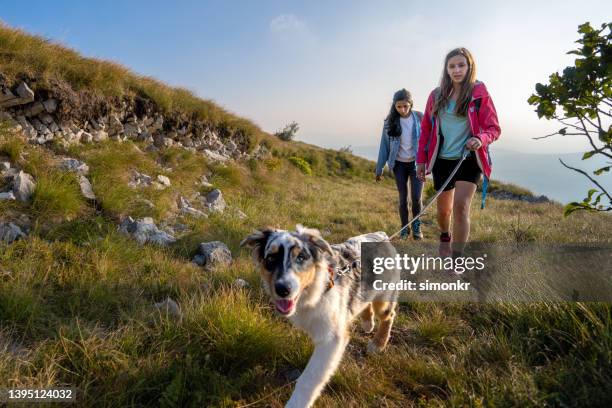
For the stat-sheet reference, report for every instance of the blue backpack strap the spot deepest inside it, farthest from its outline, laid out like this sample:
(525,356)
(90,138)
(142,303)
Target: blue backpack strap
(485,186)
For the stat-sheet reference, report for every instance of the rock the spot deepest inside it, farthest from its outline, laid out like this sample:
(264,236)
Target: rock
(231,146)
(163,180)
(241,283)
(9,174)
(214,156)
(145,230)
(99,136)
(5,166)
(131,130)
(86,188)
(36,109)
(70,164)
(27,127)
(46,118)
(10,232)
(199,260)
(24,95)
(215,253)
(8,195)
(38,125)
(214,201)
(86,137)
(24,91)
(23,186)
(5,97)
(187,209)
(96,125)
(139,180)
(169,307)
(145,136)
(50,105)
(157,125)
(115,126)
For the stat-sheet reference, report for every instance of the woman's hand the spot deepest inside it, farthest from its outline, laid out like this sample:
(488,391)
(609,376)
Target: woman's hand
(473,143)
(420,170)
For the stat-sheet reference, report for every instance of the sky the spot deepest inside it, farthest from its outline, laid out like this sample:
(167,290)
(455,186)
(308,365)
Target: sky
(330,66)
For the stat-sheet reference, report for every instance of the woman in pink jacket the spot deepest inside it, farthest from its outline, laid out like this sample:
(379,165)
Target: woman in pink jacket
(459,115)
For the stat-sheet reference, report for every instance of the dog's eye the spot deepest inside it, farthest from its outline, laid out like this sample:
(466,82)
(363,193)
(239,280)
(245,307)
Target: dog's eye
(300,258)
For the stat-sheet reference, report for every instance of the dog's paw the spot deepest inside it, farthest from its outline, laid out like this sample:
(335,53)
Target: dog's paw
(367,325)
(373,348)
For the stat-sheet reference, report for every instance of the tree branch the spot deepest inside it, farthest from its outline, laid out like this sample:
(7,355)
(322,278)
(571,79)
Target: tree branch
(595,148)
(590,178)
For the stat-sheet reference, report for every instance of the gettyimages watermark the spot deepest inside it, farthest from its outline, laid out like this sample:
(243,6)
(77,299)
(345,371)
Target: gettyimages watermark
(487,272)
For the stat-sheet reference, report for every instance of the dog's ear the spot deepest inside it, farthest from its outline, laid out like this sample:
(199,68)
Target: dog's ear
(313,236)
(321,245)
(257,240)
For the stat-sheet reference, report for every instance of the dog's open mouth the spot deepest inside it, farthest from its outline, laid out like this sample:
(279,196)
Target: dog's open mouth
(284,306)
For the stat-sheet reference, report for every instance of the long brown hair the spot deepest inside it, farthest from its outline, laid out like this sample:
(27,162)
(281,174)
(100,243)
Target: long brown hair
(446,84)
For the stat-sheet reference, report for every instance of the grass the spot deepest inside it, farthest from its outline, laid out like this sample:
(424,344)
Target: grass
(76,300)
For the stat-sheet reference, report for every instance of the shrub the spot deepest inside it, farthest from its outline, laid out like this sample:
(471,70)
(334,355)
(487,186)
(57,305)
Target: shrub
(288,132)
(301,164)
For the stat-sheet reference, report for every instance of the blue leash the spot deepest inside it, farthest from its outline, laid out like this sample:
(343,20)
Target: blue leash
(485,186)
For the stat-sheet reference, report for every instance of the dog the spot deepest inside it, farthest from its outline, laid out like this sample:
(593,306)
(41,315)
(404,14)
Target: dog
(317,287)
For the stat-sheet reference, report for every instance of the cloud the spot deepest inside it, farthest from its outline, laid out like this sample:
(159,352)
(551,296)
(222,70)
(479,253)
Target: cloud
(286,22)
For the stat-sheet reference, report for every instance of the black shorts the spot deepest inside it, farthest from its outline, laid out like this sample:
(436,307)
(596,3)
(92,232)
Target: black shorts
(468,171)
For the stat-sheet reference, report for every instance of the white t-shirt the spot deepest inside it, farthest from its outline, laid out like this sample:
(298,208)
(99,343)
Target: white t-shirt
(406,150)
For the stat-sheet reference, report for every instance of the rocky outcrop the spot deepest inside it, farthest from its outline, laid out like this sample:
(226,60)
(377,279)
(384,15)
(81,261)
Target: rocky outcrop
(186,208)
(214,201)
(43,120)
(215,254)
(10,232)
(23,186)
(9,99)
(145,231)
(169,308)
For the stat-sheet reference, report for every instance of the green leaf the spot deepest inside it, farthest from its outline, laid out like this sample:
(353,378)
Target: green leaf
(585,28)
(533,99)
(598,172)
(588,154)
(597,199)
(571,207)
(590,194)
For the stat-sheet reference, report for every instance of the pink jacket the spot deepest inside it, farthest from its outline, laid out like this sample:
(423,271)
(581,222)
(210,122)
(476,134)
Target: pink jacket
(483,123)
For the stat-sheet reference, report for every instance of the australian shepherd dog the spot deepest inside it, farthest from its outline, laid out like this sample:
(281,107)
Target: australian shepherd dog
(318,287)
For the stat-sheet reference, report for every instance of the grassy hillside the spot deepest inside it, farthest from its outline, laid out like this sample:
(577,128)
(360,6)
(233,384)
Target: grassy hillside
(51,67)
(76,296)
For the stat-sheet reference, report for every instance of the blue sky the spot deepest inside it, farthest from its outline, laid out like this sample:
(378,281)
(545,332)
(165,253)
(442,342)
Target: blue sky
(331,66)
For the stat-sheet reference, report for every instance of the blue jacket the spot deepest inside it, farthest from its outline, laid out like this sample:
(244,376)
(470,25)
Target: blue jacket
(389,146)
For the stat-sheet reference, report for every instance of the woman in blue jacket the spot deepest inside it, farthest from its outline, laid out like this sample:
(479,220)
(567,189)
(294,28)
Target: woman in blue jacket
(398,148)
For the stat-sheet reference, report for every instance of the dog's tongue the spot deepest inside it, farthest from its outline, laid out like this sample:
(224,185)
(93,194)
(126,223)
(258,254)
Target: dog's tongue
(284,305)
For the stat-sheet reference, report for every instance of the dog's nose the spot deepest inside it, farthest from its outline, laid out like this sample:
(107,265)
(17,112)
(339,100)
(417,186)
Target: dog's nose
(283,289)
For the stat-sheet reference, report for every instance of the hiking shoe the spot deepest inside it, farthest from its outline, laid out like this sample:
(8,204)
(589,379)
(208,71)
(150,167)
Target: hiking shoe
(404,234)
(417,235)
(445,245)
